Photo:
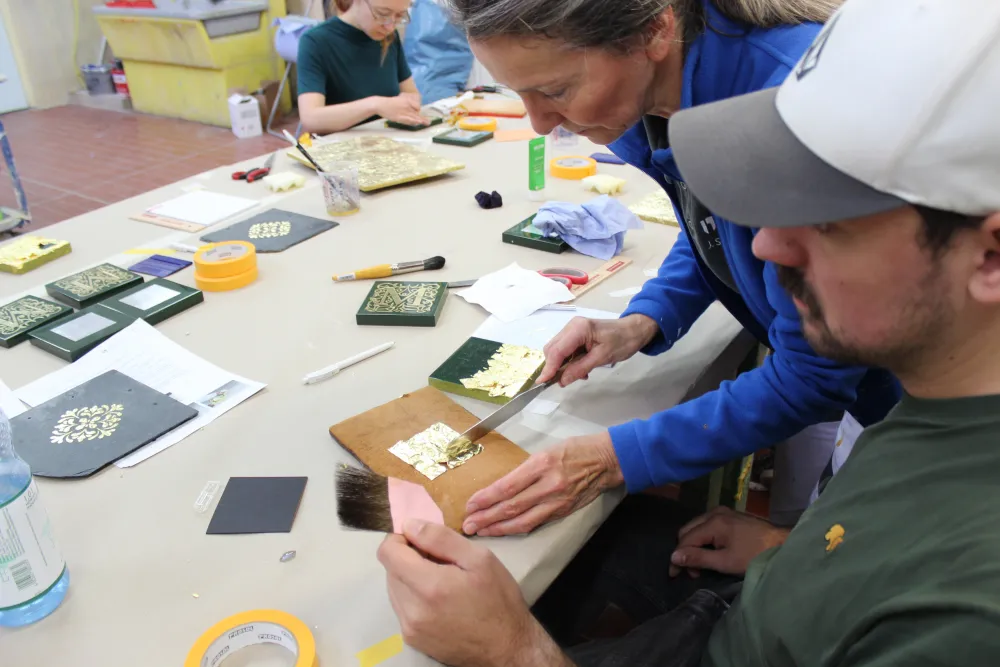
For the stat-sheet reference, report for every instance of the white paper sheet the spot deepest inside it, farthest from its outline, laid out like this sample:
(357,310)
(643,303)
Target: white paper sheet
(9,403)
(628,291)
(203,207)
(149,357)
(537,329)
(513,292)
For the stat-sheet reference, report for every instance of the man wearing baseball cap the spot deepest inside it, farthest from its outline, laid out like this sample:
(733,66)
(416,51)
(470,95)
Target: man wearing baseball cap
(873,177)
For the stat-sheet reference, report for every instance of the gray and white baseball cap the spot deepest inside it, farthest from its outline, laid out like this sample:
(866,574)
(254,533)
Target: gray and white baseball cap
(896,102)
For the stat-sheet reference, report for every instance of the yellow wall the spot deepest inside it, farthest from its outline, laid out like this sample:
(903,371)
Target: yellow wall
(41,35)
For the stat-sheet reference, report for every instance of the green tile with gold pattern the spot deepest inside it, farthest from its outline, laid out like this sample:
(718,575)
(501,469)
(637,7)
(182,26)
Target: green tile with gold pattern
(22,316)
(92,285)
(403,304)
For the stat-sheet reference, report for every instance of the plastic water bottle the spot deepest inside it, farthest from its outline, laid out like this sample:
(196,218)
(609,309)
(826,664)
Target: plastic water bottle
(33,575)
(560,136)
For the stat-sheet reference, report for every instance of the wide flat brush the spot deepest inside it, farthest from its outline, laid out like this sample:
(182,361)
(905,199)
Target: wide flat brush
(369,501)
(389,270)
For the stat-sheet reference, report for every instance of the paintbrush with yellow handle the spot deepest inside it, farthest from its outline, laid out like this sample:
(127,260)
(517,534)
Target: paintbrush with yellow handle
(389,270)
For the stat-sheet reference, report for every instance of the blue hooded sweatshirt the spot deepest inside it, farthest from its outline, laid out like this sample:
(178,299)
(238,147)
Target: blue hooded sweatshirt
(794,388)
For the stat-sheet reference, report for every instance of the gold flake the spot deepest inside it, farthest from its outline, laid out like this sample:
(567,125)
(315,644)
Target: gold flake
(382,162)
(85,424)
(507,371)
(23,313)
(655,207)
(435,450)
(269,230)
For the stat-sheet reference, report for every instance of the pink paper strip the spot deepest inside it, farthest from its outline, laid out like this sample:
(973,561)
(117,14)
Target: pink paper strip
(411,501)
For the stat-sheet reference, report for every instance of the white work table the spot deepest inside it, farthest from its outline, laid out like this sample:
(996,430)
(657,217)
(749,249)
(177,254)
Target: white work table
(137,550)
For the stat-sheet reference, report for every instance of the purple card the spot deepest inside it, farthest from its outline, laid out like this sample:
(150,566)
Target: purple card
(160,266)
(607,158)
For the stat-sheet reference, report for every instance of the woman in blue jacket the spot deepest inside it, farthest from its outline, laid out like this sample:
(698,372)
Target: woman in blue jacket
(615,72)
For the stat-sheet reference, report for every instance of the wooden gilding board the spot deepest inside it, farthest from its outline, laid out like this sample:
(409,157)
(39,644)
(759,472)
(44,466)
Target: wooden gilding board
(369,436)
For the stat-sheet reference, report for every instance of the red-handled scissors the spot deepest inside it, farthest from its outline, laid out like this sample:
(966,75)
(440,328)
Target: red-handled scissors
(566,275)
(256,173)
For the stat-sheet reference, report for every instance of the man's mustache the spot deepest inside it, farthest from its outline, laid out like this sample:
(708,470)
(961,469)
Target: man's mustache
(794,282)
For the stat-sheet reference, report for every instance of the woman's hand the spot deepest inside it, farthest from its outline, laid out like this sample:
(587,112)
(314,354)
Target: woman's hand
(606,342)
(548,486)
(404,108)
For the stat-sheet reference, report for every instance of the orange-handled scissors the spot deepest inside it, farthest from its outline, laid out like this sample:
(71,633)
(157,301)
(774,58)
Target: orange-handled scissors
(566,275)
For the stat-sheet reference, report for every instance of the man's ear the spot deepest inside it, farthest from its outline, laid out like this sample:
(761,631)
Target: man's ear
(985,283)
(665,33)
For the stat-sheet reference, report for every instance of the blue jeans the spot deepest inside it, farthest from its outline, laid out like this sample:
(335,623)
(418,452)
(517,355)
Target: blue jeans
(615,603)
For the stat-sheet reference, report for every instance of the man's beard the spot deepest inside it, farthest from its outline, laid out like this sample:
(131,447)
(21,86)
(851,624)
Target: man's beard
(918,326)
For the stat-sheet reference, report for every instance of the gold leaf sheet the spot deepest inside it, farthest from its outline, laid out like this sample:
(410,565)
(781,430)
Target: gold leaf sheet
(436,450)
(507,371)
(382,162)
(655,207)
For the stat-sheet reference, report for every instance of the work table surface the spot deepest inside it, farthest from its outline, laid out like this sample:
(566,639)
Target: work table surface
(146,581)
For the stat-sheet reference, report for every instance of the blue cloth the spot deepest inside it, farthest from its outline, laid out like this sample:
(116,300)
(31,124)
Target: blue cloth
(596,228)
(794,387)
(437,51)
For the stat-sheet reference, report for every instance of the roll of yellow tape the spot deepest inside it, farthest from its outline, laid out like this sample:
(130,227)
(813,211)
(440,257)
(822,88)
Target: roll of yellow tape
(225,284)
(573,167)
(222,260)
(478,124)
(261,626)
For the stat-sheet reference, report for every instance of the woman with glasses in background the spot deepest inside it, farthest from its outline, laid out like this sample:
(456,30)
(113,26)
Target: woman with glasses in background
(352,69)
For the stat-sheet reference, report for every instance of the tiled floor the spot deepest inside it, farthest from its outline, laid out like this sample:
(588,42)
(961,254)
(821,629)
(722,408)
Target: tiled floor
(75,159)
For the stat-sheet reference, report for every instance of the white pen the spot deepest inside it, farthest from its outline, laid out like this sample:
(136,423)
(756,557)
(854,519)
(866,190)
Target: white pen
(330,371)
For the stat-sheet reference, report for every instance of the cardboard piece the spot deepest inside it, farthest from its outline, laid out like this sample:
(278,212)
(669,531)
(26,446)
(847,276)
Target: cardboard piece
(273,230)
(22,316)
(85,429)
(369,436)
(493,106)
(257,505)
(403,303)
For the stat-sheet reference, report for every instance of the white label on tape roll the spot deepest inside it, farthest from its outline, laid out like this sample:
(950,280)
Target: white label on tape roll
(249,634)
(573,162)
(224,251)
(30,562)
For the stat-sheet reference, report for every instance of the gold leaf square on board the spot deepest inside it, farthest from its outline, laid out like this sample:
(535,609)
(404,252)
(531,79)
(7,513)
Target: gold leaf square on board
(382,162)
(435,450)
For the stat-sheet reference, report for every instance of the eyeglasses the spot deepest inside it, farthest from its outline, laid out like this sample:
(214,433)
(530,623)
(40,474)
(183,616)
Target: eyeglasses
(387,16)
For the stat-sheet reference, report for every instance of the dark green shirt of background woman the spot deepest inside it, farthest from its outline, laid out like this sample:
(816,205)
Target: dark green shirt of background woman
(352,68)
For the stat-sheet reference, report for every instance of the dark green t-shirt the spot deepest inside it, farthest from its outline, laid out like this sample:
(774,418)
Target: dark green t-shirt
(344,64)
(896,564)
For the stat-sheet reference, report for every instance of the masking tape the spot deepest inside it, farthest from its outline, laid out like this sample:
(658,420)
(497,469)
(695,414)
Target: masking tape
(225,284)
(222,260)
(250,628)
(478,124)
(378,653)
(573,167)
